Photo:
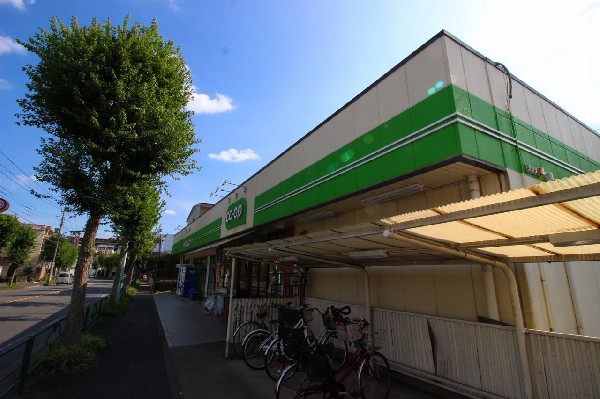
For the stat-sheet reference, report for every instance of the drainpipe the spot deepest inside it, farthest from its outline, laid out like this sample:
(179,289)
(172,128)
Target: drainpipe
(230,313)
(549,313)
(574,299)
(514,293)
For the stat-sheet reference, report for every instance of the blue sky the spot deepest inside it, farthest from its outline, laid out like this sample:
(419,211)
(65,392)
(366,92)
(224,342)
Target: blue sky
(266,72)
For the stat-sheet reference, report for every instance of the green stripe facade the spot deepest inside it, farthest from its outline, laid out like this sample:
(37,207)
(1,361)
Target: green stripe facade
(448,123)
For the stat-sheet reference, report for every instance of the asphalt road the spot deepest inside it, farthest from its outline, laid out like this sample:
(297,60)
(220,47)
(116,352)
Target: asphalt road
(26,310)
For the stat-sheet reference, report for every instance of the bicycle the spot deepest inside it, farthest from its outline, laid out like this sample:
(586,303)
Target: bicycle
(247,327)
(312,374)
(256,343)
(284,350)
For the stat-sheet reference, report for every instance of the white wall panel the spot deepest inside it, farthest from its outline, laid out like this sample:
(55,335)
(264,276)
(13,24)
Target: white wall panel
(392,95)
(325,139)
(499,84)
(518,104)
(534,108)
(561,304)
(366,113)
(424,70)
(455,63)
(310,150)
(476,75)
(565,129)
(343,125)
(584,278)
(577,136)
(551,120)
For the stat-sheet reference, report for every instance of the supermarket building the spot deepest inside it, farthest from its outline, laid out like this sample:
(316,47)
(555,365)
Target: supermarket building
(451,205)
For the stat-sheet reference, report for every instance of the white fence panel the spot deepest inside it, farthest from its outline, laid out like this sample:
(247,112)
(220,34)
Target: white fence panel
(564,366)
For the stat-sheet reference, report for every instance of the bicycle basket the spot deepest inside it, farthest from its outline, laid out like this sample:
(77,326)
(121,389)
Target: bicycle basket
(328,321)
(348,331)
(316,365)
(288,316)
(292,340)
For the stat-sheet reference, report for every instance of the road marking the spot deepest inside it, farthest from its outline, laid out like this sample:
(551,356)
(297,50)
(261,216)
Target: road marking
(31,297)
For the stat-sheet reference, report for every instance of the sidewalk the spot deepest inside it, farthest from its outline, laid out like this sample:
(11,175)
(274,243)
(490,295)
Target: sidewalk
(168,347)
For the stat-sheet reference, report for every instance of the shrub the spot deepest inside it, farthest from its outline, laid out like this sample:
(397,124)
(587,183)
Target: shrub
(116,309)
(67,359)
(132,291)
(93,342)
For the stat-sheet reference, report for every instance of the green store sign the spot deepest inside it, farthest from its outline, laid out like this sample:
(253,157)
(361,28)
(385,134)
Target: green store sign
(236,214)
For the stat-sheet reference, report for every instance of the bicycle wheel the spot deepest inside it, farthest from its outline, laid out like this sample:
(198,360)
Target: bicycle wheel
(293,383)
(254,347)
(276,361)
(240,333)
(338,351)
(374,377)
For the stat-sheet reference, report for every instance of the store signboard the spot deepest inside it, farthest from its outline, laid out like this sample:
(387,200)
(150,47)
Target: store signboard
(236,214)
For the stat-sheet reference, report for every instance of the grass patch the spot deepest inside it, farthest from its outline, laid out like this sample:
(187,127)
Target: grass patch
(73,358)
(5,286)
(93,342)
(116,309)
(67,359)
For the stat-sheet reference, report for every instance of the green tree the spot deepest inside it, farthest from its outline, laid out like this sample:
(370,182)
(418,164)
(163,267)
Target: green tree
(66,255)
(134,218)
(9,225)
(112,99)
(19,250)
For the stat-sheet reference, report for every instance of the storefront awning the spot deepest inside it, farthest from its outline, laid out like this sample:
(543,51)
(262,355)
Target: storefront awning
(550,222)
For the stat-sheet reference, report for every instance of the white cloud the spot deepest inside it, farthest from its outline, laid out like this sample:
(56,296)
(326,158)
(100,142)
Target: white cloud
(25,179)
(20,4)
(8,45)
(170,212)
(233,155)
(4,85)
(202,103)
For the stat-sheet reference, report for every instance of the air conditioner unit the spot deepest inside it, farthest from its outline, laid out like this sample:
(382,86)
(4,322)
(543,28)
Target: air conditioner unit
(392,195)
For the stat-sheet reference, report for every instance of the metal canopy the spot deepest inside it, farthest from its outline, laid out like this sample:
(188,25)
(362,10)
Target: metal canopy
(550,221)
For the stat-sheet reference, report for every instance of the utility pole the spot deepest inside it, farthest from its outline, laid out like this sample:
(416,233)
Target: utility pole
(62,221)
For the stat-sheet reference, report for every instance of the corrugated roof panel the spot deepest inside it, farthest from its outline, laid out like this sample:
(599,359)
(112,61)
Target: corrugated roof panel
(589,208)
(515,251)
(455,232)
(487,200)
(567,183)
(542,220)
(405,217)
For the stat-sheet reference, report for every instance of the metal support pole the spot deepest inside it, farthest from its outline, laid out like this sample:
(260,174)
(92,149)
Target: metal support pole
(230,313)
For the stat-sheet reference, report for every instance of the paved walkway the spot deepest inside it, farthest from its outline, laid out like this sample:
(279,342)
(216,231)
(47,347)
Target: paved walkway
(168,348)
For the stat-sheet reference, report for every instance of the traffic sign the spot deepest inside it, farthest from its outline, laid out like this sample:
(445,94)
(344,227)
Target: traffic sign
(3,204)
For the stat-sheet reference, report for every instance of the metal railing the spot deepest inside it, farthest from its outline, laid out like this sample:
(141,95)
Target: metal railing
(22,357)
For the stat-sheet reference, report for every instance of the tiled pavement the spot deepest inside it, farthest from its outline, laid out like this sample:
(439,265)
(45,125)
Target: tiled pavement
(186,323)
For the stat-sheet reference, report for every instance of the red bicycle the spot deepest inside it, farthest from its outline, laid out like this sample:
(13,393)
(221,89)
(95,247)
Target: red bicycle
(312,375)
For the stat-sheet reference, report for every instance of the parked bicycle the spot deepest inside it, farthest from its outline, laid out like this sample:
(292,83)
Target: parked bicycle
(243,329)
(283,351)
(256,343)
(312,373)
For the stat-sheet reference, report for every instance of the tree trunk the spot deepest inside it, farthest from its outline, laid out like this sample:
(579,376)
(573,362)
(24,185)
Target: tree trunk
(12,276)
(128,274)
(117,280)
(74,324)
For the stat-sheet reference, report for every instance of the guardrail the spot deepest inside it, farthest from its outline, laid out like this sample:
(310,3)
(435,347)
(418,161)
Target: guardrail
(23,356)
